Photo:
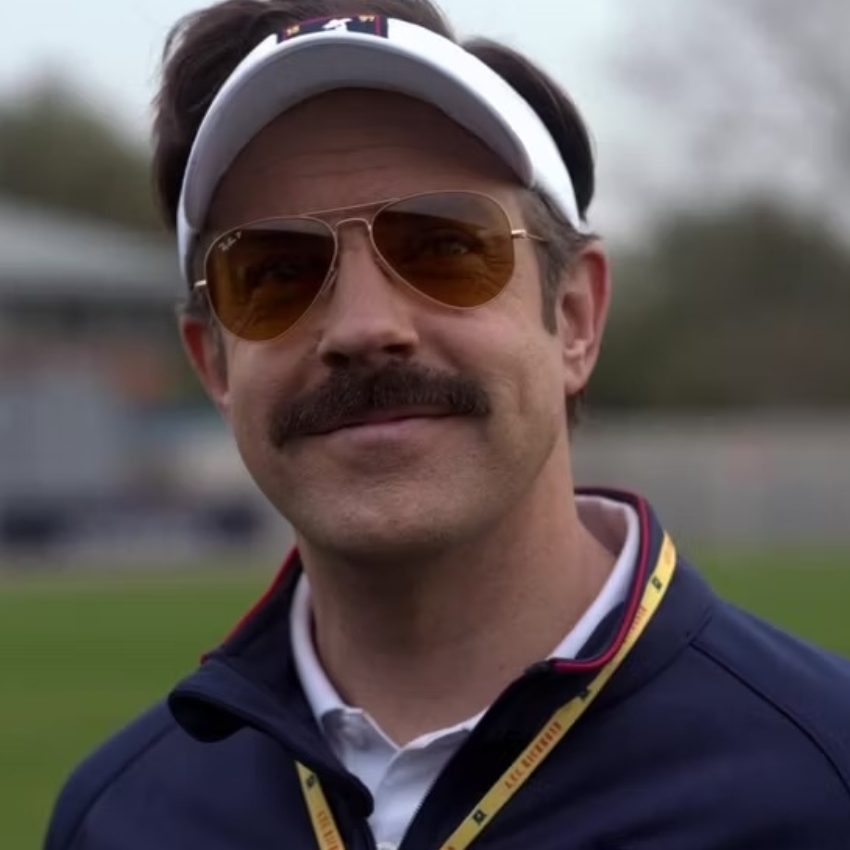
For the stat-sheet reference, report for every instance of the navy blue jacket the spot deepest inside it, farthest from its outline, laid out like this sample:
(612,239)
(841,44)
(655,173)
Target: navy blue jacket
(718,733)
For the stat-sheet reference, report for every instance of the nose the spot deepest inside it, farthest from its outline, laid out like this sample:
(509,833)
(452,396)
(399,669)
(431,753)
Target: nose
(368,318)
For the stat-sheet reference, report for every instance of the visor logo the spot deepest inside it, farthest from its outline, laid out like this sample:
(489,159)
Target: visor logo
(337,24)
(368,24)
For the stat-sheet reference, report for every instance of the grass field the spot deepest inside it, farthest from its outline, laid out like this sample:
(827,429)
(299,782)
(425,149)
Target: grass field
(79,656)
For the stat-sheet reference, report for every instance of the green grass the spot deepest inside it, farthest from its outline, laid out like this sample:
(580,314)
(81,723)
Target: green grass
(807,594)
(80,656)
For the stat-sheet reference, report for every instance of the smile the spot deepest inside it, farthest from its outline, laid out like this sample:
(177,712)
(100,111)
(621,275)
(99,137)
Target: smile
(383,420)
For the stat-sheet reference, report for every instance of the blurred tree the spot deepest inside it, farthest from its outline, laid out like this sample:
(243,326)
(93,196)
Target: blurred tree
(751,94)
(744,307)
(59,151)
(731,301)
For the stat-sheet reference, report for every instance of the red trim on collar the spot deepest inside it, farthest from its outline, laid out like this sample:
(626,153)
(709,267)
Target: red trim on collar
(288,564)
(277,581)
(638,584)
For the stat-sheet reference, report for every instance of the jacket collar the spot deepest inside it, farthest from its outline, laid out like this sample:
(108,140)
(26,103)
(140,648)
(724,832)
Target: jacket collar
(251,680)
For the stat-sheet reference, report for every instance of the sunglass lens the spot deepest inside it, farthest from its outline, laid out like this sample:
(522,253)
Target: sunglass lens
(262,279)
(454,247)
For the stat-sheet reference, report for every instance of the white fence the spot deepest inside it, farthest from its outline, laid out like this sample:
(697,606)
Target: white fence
(770,481)
(766,481)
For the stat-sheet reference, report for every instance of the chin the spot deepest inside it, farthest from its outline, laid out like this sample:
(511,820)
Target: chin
(380,533)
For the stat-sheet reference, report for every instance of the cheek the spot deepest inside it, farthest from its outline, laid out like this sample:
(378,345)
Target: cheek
(540,383)
(516,358)
(255,385)
(528,351)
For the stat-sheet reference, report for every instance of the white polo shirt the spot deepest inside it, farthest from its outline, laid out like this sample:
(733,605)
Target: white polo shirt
(400,777)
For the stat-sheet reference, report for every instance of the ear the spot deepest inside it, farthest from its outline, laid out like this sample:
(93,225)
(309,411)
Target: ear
(208,358)
(582,311)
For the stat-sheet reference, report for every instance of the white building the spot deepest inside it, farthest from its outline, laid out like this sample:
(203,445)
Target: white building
(89,359)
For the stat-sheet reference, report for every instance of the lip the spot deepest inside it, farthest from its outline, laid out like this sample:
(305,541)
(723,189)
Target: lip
(384,421)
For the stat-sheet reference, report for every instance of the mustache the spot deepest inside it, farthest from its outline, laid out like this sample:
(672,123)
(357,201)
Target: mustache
(353,393)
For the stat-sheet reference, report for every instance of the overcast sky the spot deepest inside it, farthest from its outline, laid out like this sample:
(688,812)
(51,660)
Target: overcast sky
(112,46)
(111,49)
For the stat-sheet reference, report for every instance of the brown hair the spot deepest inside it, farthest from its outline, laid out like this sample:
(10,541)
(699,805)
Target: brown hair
(204,48)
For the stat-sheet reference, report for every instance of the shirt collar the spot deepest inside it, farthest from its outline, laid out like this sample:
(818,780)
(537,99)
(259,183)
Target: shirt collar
(321,694)
(609,520)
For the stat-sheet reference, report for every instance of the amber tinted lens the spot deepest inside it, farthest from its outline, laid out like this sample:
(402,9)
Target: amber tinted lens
(262,279)
(454,247)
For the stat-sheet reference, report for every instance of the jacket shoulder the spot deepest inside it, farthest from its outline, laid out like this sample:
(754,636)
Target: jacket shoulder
(808,685)
(100,769)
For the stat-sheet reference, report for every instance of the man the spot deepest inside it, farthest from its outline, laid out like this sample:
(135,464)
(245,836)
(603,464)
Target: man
(393,294)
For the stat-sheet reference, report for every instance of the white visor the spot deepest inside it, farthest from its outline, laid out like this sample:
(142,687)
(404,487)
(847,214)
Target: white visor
(371,52)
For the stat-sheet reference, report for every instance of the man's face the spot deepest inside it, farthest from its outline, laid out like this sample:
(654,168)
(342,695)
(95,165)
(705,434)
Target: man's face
(444,472)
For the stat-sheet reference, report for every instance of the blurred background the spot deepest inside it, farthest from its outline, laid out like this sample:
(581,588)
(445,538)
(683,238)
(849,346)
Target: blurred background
(131,537)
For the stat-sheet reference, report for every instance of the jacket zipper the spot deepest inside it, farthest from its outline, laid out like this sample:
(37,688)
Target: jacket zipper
(541,667)
(416,811)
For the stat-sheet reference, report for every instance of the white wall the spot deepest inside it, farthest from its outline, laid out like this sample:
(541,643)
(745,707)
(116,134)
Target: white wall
(746,481)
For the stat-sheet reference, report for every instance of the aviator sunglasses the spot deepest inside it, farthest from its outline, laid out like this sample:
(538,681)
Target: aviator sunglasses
(454,248)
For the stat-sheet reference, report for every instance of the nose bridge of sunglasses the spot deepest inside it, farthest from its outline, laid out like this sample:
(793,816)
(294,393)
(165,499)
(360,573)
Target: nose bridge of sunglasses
(354,233)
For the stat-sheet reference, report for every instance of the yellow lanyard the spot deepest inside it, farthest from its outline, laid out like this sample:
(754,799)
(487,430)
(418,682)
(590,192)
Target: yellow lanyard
(324,825)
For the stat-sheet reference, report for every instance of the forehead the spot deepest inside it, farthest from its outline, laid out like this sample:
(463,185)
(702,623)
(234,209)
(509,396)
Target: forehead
(353,147)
